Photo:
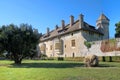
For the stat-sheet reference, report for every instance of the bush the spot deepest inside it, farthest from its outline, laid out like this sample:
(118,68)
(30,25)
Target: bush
(73,59)
(43,56)
(50,58)
(87,44)
(60,58)
(107,58)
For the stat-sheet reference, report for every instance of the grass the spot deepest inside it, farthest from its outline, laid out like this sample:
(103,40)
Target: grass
(58,70)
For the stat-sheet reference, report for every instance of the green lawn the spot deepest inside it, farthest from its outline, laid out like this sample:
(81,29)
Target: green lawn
(58,70)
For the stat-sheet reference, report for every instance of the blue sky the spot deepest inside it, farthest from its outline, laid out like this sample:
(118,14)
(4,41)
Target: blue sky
(48,13)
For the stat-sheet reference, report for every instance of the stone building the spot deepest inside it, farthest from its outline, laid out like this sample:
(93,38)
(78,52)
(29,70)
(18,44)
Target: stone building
(68,40)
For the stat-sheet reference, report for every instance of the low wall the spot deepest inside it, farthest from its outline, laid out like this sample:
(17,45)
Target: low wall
(105,47)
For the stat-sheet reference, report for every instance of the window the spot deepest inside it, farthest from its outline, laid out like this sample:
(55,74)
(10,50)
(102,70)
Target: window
(42,47)
(50,47)
(65,55)
(65,46)
(72,34)
(57,45)
(73,43)
(73,55)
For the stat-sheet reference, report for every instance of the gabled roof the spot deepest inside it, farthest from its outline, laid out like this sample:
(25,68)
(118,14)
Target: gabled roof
(103,17)
(69,29)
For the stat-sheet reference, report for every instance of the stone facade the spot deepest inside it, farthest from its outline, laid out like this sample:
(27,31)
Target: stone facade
(68,40)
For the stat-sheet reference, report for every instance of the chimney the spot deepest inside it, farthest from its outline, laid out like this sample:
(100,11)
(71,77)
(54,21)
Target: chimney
(56,27)
(48,30)
(71,20)
(81,21)
(63,24)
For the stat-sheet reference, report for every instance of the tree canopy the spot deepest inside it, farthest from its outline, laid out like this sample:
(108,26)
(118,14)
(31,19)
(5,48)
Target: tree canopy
(117,29)
(18,41)
(87,44)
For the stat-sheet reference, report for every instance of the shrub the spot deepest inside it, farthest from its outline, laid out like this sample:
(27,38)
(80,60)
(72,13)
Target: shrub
(114,58)
(50,58)
(43,56)
(60,58)
(87,44)
(73,59)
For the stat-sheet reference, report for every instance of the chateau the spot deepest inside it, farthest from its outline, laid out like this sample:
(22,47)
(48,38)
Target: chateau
(68,40)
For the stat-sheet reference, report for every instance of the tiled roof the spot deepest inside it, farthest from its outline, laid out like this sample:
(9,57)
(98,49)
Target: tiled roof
(69,29)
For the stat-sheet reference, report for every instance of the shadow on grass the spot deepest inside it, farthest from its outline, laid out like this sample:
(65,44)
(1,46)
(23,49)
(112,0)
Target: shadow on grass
(54,65)
(47,65)
(105,65)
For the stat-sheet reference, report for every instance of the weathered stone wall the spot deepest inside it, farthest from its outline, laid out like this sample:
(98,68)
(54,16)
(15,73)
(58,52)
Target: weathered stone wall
(68,50)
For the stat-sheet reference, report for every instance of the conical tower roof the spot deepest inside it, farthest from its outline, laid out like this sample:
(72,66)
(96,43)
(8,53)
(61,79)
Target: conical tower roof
(103,17)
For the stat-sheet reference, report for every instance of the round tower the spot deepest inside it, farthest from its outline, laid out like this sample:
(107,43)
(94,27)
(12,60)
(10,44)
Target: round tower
(103,26)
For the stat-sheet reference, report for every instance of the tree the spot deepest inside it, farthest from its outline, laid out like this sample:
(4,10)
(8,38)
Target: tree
(87,44)
(117,29)
(19,41)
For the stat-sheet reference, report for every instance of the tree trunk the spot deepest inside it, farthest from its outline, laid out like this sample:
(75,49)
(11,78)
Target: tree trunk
(17,61)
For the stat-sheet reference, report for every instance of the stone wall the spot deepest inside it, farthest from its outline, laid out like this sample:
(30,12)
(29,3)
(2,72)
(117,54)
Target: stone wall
(109,50)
